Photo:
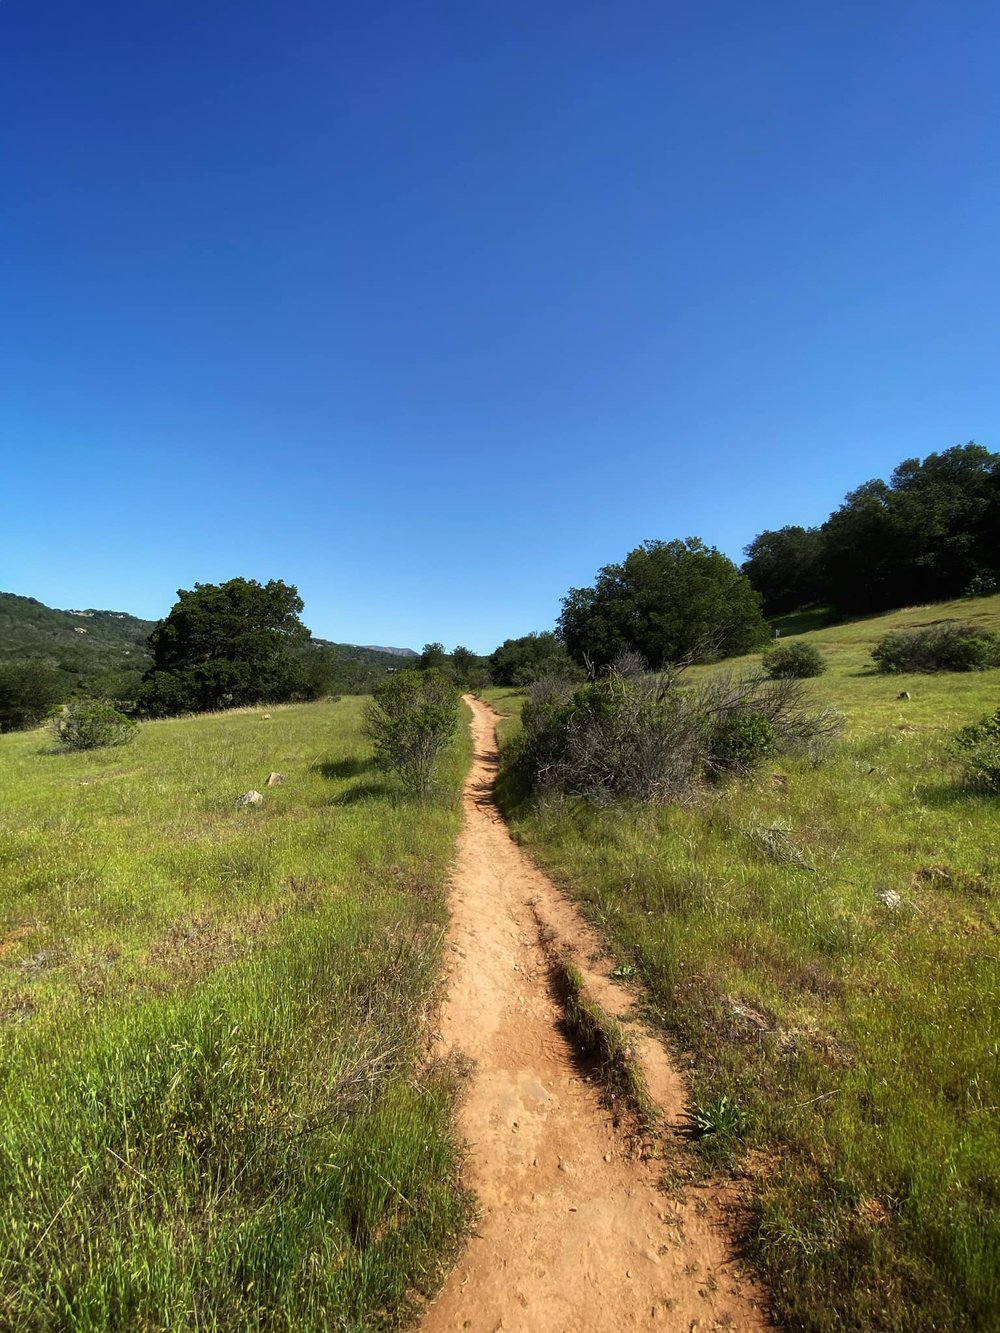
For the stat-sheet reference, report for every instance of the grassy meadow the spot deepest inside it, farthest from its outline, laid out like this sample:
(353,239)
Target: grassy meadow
(846,1050)
(215,1111)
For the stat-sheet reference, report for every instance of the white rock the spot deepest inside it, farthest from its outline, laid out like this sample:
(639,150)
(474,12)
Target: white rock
(250,798)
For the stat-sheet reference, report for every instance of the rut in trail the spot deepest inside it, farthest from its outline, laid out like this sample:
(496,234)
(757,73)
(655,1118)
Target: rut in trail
(575,1233)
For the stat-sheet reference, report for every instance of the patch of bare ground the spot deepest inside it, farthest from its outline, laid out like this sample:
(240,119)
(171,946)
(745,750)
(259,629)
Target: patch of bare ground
(575,1231)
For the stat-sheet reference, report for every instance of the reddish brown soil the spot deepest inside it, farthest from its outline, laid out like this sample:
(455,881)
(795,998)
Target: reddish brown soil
(575,1232)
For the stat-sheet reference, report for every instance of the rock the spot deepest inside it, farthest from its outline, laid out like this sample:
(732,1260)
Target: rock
(250,798)
(275,779)
(888,897)
(748,1014)
(265,717)
(903,694)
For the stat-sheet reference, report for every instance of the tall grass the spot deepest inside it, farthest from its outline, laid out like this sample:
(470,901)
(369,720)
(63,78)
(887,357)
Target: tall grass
(858,1035)
(211,1108)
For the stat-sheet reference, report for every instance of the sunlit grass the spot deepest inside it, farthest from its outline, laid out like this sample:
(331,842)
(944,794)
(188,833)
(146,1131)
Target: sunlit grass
(860,1039)
(211,1111)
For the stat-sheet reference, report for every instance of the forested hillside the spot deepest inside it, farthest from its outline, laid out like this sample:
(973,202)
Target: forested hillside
(48,655)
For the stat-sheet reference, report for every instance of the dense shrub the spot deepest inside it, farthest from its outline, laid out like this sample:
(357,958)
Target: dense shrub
(742,742)
(411,718)
(949,645)
(795,660)
(641,737)
(89,724)
(527,659)
(979,745)
(982,585)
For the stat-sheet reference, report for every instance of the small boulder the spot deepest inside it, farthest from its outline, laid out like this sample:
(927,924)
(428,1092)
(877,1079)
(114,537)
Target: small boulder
(249,798)
(265,717)
(903,694)
(275,779)
(888,897)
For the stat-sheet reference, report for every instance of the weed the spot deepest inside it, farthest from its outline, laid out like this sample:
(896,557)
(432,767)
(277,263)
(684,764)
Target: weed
(721,1116)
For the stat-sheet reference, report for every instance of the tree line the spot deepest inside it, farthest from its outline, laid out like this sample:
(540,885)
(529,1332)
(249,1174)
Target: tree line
(224,645)
(929,533)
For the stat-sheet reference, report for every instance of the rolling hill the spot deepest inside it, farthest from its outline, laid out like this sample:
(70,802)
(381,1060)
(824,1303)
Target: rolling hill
(87,643)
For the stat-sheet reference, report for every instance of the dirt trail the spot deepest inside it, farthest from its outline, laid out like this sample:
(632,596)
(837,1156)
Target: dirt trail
(575,1233)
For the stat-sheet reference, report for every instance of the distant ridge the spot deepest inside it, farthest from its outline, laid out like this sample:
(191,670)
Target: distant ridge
(82,639)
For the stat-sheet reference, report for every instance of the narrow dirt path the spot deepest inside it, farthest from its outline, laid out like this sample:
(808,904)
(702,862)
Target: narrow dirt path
(575,1233)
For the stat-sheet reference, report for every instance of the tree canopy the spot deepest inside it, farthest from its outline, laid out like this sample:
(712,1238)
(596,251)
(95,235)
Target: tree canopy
(529,658)
(932,531)
(667,601)
(224,645)
(785,568)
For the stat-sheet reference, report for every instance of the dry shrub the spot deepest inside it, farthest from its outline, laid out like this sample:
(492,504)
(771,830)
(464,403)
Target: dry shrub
(948,645)
(635,734)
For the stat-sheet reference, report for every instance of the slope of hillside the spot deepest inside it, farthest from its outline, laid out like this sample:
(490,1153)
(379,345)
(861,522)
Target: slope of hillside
(822,940)
(74,640)
(86,644)
(849,644)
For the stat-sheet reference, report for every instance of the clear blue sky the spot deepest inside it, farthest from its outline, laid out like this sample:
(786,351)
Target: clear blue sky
(434,308)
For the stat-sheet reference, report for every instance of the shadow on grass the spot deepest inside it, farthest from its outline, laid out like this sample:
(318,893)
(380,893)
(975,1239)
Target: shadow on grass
(343,768)
(365,791)
(962,791)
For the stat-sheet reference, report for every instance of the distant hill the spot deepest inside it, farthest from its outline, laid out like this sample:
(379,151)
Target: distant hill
(79,642)
(367,652)
(86,644)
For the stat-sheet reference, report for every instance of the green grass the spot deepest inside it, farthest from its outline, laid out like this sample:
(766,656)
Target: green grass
(214,1112)
(857,1045)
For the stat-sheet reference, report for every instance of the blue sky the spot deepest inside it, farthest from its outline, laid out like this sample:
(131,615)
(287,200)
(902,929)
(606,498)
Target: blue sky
(433,309)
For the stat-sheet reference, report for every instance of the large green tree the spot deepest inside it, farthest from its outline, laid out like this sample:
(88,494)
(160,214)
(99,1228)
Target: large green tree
(529,658)
(785,567)
(224,645)
(924,535)
(667,601)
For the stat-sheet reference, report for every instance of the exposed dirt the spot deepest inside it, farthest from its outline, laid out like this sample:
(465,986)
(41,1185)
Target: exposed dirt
(575,1232)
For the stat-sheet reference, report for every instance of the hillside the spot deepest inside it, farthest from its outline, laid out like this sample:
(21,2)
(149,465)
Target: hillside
(73,640)
(89,645)
(820,940)
(368,654)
